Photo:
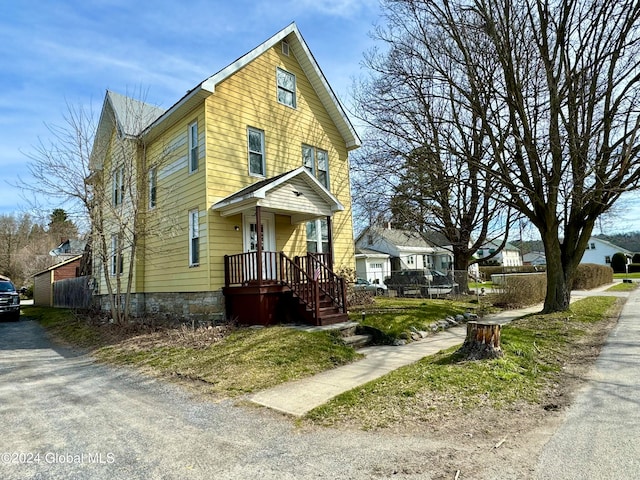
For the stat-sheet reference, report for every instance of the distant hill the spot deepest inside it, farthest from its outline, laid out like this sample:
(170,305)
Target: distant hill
(629,241)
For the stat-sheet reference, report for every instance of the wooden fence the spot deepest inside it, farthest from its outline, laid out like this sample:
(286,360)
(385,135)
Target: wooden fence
(72,292)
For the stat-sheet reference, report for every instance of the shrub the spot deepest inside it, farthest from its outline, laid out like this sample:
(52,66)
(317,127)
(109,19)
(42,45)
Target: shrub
(634,267)
(522,290)
(619,263)
(589,275)
(636,258)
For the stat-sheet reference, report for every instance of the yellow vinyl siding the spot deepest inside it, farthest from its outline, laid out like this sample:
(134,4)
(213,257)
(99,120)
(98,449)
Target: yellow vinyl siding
(248,99)
(178,192)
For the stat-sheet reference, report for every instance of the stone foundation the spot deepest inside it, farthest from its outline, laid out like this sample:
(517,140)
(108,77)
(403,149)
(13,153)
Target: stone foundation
(204,308)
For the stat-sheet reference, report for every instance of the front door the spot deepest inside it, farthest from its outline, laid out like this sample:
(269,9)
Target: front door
(269,257)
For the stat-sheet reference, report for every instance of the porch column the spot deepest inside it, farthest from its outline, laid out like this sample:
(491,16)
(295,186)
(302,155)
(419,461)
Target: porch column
(259,244)
(330,241)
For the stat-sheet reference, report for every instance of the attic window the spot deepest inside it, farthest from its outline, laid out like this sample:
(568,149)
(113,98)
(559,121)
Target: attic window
(285,48)
(286,88)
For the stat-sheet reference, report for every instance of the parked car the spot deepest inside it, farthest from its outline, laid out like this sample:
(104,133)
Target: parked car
(421,282)
(9,300)
(364,285)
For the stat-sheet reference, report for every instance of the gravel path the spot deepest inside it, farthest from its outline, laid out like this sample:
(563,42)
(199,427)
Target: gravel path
(65,417)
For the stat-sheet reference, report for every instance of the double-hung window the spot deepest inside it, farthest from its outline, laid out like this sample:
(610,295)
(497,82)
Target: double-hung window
(193,147)
(117,260)
(317,162)
(286,88)
(256,152)
(194,238)
(117,182)
(153,187)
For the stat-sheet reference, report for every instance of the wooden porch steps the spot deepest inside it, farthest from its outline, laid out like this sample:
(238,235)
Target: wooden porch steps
(328,313)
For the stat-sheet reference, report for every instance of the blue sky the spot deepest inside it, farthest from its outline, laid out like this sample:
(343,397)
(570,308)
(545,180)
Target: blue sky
(69,52)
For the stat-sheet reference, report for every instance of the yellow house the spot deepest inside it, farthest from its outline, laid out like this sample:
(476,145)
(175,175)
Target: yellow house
(237,201)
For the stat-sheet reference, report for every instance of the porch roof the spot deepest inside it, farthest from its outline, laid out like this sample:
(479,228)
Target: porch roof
(296,193)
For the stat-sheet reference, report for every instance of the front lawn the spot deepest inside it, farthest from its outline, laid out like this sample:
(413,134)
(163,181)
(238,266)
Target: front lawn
(444,386)
(223,361)
(397,317)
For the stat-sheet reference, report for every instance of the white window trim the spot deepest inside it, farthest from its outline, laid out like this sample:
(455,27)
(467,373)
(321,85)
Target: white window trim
(116,256)
(249,152)
(153,188)
(193,147)
(315,163)
(294,91)
(117,179)
(194,233)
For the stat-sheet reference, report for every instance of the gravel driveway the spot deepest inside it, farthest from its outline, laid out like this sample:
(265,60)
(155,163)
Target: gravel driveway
(65,417)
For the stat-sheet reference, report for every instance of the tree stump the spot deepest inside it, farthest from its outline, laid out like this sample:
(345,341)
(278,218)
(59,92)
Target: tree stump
(482,341)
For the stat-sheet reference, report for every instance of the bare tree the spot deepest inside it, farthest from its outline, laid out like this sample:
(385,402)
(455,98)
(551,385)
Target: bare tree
(103,169)
(560,112)
(426,150)
(567,92)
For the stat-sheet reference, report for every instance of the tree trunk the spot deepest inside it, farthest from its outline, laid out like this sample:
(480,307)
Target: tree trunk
(482,342)
(461,270)
(558,296)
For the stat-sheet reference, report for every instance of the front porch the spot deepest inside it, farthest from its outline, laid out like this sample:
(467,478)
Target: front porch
(278,289)
(263,285)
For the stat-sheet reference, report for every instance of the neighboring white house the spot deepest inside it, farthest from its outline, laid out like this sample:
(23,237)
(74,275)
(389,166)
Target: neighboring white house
(407,250)
(373,266)
(509,256)
(600,252)
(534,258)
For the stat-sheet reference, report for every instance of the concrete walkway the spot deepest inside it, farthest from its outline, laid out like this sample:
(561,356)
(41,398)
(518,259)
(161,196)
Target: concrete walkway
(301,396)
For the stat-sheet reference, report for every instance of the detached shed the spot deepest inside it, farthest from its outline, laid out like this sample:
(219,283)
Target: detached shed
(43,281)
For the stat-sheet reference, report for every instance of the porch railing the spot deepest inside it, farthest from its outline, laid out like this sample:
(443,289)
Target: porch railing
(308,277)
(242,269)
(330,284)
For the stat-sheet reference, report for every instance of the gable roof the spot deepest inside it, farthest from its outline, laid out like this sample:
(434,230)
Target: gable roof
(611,245)
(406,238)
(128,116)
(58,265)
(307,62)
(258,194)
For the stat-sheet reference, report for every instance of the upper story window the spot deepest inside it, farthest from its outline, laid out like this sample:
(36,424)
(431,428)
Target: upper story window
(286,88)
(117,183)
(193,147)
(256,152)
(317,162)
(153,187)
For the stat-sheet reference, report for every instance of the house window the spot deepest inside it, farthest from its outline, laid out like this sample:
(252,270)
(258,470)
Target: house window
(593,246)
(375,265)
(607,259)
(117,260)
(256,152)
(285,48)
(118,186)
(193,147)
(153,187)
(286,88)
(410,260)
(194,239)
(318,236)
(317,162)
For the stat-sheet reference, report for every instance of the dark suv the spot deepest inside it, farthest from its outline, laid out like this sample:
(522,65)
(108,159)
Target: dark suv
(9,300)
